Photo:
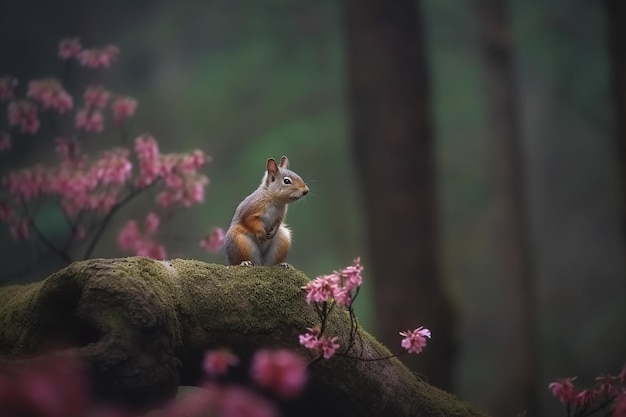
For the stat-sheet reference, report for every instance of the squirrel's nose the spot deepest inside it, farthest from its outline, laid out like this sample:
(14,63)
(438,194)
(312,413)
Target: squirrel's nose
(306,191)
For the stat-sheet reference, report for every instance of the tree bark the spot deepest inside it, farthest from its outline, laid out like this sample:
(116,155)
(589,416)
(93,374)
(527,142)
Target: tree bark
(143,325)
(512,278)
(392,142)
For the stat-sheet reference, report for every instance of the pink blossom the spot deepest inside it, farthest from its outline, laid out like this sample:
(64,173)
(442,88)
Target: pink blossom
(25,184)
(310,340)
(585,397)
(214,241)
(131,239)
(148,155)
(415,340)
(351,275)
(123,108)
(113,167)
(563,389)
(23,113)
(96,97)
(606,386)
(90,120)
(98,58)
(5,141)
(280,371)
(50,93)
(129,236)
(7,88)
(328,346)
(321,289)
(69,48)
(217,362)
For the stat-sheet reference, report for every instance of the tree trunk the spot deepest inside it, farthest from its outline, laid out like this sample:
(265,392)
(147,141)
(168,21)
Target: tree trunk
(393,145)
(512,280)
(616,16)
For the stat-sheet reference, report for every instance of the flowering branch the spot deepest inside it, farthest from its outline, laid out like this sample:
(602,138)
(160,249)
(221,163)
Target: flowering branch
(608,390)
(90,191)
(340,289)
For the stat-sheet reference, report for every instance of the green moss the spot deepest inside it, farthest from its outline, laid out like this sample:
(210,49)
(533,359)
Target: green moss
(144,325)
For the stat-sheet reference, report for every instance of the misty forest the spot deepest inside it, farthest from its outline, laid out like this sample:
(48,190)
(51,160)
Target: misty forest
(472,154)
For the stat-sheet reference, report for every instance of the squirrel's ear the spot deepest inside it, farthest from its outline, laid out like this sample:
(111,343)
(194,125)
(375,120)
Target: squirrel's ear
(284,162)
(272,169)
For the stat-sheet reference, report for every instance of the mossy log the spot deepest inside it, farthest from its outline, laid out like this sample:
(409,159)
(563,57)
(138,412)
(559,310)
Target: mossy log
(142,326)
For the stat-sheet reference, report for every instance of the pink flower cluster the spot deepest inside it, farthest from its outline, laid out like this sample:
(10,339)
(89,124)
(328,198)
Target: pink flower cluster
(130,238)
(5,141)
(217,362)
(123,108)
(93,58)
(81,186)
(319,343)
(47,389)
(50,94)
(415,340)
(606,388)
(179,172)
(340,286)
(214,241)
(279,372)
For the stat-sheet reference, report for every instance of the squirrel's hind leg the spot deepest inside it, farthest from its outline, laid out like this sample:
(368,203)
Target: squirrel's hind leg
(241,249)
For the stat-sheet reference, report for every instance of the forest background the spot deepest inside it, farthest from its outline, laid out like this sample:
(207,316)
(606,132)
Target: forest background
(246,80)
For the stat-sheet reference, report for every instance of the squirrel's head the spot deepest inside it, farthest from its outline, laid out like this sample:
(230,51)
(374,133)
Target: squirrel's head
(282,182)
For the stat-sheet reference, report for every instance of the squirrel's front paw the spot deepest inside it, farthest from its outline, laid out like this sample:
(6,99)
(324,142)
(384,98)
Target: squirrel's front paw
(246,263)
(286,265)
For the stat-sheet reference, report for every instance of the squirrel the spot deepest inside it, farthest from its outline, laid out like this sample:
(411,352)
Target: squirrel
(257,234)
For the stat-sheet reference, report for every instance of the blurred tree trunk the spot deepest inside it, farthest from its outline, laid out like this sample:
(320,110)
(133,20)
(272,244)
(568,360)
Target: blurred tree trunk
(513,285)
(393,146)
(616,18)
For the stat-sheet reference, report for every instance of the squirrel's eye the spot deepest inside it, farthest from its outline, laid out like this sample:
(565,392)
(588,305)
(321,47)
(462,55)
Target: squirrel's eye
(287,180)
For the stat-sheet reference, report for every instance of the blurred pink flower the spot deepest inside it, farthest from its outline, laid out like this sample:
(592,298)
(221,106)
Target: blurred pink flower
(123,108)
(415,340)
(96,97)
(69,48)
(7,88)
(23,113)
(280,371)
(563,389)
(98,58)
(585,397)
(214,241)
(50,93)
(55,388)
(216,362)
(5,141)
(131,239)
(90,120)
